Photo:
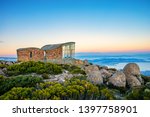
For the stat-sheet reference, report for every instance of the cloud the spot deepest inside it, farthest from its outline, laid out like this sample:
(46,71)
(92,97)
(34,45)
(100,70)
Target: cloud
(1,41)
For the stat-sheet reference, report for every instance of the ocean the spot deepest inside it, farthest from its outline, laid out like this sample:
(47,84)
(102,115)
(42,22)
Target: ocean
(118,60)
(113,60)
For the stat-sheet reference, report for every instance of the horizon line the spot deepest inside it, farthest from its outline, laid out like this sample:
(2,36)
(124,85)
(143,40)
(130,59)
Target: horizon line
(124,52)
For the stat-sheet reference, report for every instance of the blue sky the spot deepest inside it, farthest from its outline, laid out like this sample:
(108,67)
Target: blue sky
(95,25)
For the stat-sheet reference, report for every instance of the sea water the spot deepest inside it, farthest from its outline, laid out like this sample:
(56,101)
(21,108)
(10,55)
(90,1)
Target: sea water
(118,60)
(112,60)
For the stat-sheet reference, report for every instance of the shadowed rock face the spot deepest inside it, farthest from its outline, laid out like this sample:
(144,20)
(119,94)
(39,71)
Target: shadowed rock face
(132,72)
(118,79)
(105,73)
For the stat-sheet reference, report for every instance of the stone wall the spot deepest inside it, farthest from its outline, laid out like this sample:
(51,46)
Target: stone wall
(71,61)
(24,54)
(54,54)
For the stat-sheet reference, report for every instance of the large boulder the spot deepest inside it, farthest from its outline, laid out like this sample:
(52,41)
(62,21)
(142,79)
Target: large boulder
(131,69)
(93,74)
(64,76)
(95,77)
(132,72)
(118,79)
(91,68)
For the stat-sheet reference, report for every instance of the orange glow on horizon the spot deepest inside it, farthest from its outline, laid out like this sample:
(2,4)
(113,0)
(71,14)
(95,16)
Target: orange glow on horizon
(120,48)
(115,51)
(78,51)
(99,46)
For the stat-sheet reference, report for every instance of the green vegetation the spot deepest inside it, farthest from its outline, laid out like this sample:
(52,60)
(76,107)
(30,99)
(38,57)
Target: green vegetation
(139,93)
(145,78)
(20,81)
(45,76)
(146,94)
(135,94)
(3,65)
(78,88)
(33,67)
(1,77)
(107,94)
(73,69)
(18,93)
(20,85)
(71,89)
(41,68)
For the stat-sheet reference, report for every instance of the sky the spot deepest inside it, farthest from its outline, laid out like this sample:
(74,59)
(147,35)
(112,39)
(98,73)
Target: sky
(95,25)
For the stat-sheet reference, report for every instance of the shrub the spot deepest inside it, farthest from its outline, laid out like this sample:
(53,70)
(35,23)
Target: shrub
(45,76)
(107,94)
(135,93)
(78,71)
(147,85)
(3,65)
(145,78)
(33,67)
(19,81)
(49,91)
(18,93)
(72,89)
(12,73)
(81,89)
(147,94)
(1,77)
(73,69)
(121,89)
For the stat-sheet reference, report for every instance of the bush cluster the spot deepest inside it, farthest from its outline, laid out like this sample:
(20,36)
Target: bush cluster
(73,69)
(3,65)
(74,89)
(33,67)
(7,84)
(23,87)
(1,77)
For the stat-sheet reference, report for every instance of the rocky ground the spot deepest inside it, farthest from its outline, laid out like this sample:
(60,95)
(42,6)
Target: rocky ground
(130,75)
(84,81)
(3,66)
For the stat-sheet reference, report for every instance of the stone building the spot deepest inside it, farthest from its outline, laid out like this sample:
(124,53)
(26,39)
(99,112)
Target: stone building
(50,52)
(30,54)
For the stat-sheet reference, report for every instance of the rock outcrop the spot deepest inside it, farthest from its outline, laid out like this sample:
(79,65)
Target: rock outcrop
(95,77)
(1,72)
(132,72)
(93,74)
(62,77)
(118,79)
(91,68)
(105,73)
